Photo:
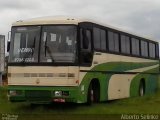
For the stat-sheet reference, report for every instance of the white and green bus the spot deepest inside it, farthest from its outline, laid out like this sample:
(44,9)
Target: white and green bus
(72,60)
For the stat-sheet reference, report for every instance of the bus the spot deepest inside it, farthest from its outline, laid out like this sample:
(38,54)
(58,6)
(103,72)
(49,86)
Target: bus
(62,59)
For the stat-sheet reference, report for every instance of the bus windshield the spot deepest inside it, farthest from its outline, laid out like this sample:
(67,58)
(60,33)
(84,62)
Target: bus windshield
(45,44)
(58,44)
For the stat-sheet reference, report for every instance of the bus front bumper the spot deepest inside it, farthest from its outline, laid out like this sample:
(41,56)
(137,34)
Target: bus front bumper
(37,94)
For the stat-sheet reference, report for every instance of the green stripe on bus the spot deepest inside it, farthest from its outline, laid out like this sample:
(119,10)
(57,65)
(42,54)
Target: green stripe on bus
(104,77)
(150,82)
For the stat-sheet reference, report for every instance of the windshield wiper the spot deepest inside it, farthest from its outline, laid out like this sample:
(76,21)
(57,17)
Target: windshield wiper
(34,44)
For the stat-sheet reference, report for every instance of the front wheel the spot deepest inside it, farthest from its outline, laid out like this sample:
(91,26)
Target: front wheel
(90,97)
(93,93)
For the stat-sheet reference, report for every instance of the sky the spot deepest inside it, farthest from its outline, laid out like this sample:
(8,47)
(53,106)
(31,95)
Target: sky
(141,17)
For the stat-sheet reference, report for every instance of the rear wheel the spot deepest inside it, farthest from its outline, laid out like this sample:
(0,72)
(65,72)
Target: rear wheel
(141,88)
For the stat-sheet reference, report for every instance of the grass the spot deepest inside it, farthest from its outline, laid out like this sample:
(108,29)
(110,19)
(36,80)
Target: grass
(138,105)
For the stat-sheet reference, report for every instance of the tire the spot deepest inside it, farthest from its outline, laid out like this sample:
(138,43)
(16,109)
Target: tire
(90,95)
(141,89)
(93,94)
(96,94)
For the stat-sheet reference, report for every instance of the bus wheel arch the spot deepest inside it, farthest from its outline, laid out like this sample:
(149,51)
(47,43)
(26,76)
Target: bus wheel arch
(93,94)
(142,87)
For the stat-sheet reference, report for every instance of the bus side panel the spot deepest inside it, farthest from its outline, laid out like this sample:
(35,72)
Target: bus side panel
(105,78)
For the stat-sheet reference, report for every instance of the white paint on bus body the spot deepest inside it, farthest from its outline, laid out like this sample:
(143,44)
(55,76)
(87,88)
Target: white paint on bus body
(119,84)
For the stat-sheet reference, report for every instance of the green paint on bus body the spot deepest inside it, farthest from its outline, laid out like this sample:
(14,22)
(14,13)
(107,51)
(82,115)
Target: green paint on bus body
(79,96)
(105,77)
(43,94)
(150,82)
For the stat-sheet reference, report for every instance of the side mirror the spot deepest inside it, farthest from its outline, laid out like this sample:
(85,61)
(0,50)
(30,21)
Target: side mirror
(8,46)
(8,41)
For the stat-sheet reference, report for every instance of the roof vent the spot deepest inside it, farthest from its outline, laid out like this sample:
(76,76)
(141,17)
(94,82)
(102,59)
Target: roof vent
(70,19)
(20,21)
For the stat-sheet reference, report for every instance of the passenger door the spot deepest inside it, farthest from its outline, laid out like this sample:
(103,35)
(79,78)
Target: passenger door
(86,51)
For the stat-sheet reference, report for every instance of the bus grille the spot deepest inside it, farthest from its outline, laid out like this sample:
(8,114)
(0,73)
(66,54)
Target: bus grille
(38,95)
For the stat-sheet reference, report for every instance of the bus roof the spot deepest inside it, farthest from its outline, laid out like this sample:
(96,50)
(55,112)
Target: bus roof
(67,20)
(47,20)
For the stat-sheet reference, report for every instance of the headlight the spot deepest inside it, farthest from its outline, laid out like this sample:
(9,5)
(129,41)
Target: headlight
(58,93)
(12,92)
(15,92)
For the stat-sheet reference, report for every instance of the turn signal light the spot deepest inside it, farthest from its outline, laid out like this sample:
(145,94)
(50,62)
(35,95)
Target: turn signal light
(77,81)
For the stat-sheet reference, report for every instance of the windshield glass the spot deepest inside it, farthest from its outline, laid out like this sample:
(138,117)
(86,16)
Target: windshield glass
(45,44)
(24,44)
(58,44)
